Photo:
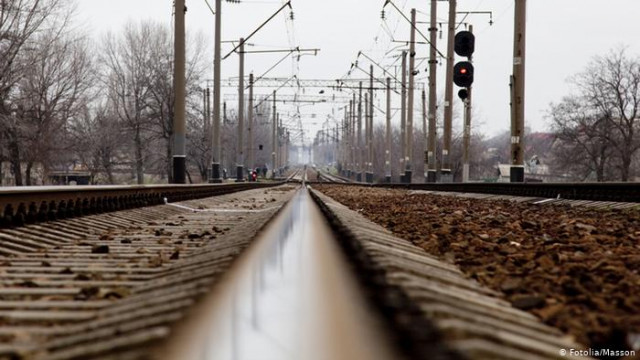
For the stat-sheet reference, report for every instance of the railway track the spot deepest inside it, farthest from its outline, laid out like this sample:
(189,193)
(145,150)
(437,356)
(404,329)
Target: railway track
(136,283)
(594,192)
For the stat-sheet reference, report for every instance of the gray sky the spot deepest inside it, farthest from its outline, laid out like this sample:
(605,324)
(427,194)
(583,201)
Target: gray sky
(562,37)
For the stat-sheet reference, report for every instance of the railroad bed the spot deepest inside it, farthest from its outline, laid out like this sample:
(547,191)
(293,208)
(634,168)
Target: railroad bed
(93,285)
(572,264)
(174,281)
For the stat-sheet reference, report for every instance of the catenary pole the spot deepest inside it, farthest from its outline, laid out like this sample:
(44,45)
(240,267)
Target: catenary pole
(448,92)
(388,134)
(274,138)
(518,81)
(179,86)
(403,119)
(433,62)
(216,149)
(250,147)
(466,140)
(240,154)
(370,127)
(410,100)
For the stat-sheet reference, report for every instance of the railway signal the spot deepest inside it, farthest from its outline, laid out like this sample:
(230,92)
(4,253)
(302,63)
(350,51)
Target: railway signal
(463,74)
(464,43)
(463,94)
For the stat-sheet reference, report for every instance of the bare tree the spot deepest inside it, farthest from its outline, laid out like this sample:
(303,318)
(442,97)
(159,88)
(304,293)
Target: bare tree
(161,90)
(21,23)
(52,91)
(611,85)
(584,148)
(128,76)
(98,142)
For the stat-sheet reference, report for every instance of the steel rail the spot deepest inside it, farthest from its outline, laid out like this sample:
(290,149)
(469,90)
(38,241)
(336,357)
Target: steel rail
(291,296)
(20,205)
(614,192)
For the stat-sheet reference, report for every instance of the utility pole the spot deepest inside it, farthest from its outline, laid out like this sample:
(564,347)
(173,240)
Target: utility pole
(337,144)
(344,143)
(425,132)
(240,155)
(466,140)
(274,138)
(354,143)
(403,119)
(250,148)
(433,62)
(518,82)
(279,157)
(448,93)
(216,149)
(360,168)
(388,151)
(366,138)
(349,139)
(179,86)
(286,149)
(206,112)
(370,120)
(412,67)
(222,143)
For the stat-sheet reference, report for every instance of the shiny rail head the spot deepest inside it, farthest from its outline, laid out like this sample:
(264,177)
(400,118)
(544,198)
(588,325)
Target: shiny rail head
(290,296)
(20,206)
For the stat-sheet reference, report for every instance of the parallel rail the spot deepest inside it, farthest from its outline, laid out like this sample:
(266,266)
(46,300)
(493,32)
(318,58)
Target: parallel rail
(19,206)
(614,192)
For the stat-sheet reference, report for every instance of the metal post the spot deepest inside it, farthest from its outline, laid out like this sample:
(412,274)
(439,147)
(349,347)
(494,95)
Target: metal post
(425,132)
(274,138)
(365,141)
(286,149)
(467,130)
(370,127)
(448,93)
(467,138)
(517,128)
(179,85)
(336,155)
(350,136)
(433,62)
(279,142)
(354,143)
(216,149)
(388,151)
(360,151)
(403,118)
(240,155)
(412,67)
(206,114)
(366,138)
(250,147)
(344,143)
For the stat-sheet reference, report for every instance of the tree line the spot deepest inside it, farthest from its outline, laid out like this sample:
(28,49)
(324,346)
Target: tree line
(105,104)
(598,125)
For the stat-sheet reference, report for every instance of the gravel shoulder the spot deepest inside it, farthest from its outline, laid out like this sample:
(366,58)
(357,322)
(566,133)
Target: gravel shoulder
(575,268)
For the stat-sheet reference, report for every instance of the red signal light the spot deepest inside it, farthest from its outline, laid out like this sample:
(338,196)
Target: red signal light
(463,71)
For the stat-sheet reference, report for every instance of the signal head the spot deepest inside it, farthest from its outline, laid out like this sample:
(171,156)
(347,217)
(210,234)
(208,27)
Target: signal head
(463,74)
(464,43)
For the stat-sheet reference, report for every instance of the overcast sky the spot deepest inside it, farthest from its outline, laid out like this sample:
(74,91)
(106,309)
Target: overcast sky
(562,37)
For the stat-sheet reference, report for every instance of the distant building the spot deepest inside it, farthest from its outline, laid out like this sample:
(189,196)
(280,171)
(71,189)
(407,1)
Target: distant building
(70,177)
(534,171)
